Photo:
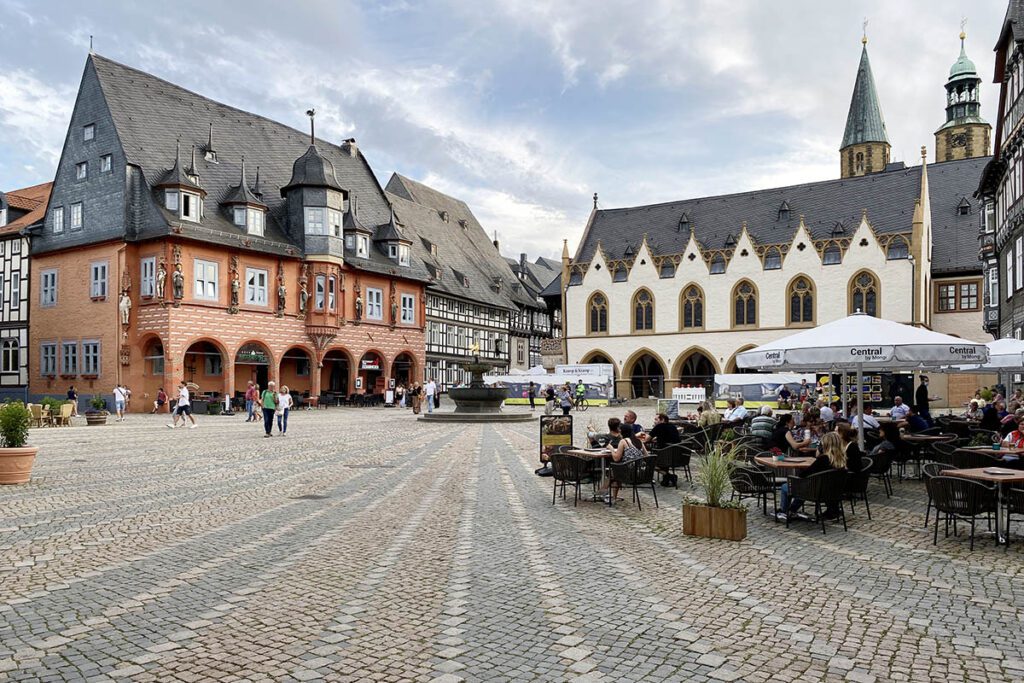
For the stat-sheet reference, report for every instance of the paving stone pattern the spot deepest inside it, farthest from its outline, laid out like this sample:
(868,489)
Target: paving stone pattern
(368,546)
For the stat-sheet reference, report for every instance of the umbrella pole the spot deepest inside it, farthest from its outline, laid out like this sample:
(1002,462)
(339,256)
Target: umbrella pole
(844,391)
(860,406)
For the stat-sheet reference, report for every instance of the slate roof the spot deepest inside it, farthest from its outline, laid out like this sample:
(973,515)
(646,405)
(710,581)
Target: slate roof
(463,248)
(538,274)
(888,197)
(151,114)
(1013,23)
(30,200)
(864,122)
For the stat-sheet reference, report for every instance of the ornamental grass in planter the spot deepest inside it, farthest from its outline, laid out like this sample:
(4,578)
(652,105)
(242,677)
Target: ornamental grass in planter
(97,413)
(16,458)
(716,516)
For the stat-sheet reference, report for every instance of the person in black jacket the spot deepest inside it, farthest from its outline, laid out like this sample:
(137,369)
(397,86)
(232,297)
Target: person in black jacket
(663,433)
(832,456)
(921,399)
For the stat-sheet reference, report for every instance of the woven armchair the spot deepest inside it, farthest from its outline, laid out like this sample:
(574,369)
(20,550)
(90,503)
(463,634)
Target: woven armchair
(569,470)
(754,482)
(929,471)
(824,489)
(634,474)
(955,499)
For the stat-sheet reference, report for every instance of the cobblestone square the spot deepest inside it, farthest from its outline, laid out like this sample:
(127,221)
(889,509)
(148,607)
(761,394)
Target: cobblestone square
(368,546)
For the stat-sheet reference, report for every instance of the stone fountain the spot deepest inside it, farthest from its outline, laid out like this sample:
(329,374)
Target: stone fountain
(478,402)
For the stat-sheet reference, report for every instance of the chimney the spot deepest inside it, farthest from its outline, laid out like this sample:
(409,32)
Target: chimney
(522,264)
(496,245)
(349,147)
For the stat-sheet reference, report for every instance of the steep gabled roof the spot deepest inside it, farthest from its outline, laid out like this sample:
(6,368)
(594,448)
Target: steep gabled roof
(463,248)
(887,196)
(31,200)
(864,122)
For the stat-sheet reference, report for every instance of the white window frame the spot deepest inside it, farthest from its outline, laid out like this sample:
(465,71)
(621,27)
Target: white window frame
(48,359)
(205,280)
(48,287)
(362,246)
(350,242)
(81,170)
(1009,273)
(66,368)
(191,207)
(256,286)
(315,220)
(106,162)
(147,276)
(992,298)
(403,254)
(3,216)
(88,132)
(374,303)
(334,220)
(239,216)
(57,220)
(10,356)
(319,292)
(331,288)
(393,251)
(15,291)
(408,308)
(255,222)
(91,358)
(171,200)
(98,275)
(77,220)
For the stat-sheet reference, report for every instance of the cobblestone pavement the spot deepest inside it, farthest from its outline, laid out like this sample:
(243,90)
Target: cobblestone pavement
(369,546)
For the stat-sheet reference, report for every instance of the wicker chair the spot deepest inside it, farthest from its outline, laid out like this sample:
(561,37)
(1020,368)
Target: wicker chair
(63,418)
(961,499)
(36,411)
(929,471)
(671,457)
(965,459)
(823,489)
(572,470)
(635,473)
(943,452)
(754,482)
(1013,499)
(857,485)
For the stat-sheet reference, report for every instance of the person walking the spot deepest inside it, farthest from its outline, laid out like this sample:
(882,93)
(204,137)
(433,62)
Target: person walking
(565,399)
(400,393)
(532,394)
(549,399)
(183,407)
(120,399)
(284,404)
(268,401)
(161,400)
(429,391)
(251,394)
(73,397)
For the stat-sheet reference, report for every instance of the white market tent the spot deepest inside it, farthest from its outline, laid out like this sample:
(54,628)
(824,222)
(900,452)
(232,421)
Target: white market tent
(1003,354)
(860,342)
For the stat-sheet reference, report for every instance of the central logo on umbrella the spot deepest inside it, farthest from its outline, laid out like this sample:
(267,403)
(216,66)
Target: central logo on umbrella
(870,351)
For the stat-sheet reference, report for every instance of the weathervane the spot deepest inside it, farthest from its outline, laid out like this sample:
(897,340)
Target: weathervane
(864,35)
(963,28)
(312,133)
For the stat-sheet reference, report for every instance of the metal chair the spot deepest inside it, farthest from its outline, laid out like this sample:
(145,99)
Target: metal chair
(754,482)
(823,489)
(857,485)
(635,473)
(929,471)
(881,469)
(965,459)
(572,470)
(671,457)
(961,499)
(1013,499)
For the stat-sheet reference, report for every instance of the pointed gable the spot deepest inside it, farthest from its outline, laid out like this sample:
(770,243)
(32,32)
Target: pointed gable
(864,122)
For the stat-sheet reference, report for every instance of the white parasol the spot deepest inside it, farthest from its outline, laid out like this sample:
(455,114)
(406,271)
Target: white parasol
(860,342)
(1003,354)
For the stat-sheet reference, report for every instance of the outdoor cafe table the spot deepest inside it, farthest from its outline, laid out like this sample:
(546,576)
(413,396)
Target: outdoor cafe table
(1003,450)
(602,454)
(919,441)
(992,475)
(788,463)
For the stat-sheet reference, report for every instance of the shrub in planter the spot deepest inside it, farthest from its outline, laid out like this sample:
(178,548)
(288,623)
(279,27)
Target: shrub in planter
(97,413)
(16,458)
(716,516)
(53,404)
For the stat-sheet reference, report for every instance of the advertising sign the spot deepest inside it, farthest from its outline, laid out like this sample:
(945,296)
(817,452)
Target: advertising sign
(555,430)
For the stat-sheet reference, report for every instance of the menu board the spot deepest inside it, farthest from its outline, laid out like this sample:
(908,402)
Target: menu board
(555,430)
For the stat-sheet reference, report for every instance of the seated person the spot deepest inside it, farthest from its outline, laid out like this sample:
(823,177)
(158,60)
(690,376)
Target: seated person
(631,447)
(850,446)
(730,407)
(709,415)
(784,395)
(899,409)
(891,442)
(630,419)
(1015,438)
(740,412)
(973,411)
(915,423)
(814,422)
(763,425)
(664,432)
(833,456)
(782,436)
(612,437)
(837,411)
(1011,422)
(825,412)
(990,417)
(869,420)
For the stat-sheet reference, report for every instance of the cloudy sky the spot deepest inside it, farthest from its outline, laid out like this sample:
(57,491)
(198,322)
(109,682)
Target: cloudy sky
(523,108)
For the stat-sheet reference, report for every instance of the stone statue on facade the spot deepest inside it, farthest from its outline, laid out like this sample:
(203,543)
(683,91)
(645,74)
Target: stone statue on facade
(236,285)
(161,280)
(178,283)
(359,307)
(303,297)
(124,305)
(282,294)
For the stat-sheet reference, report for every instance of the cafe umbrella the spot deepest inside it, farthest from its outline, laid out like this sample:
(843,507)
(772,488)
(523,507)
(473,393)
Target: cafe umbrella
(1003,354)
(862,342)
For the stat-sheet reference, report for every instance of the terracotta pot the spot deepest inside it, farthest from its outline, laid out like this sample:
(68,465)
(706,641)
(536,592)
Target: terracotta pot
(726,523)
(16,464)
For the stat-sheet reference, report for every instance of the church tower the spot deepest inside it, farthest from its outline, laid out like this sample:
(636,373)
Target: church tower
(964,134)
(865,147)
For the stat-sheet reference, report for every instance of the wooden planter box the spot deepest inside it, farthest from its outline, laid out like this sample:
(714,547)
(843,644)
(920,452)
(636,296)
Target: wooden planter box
(726,523)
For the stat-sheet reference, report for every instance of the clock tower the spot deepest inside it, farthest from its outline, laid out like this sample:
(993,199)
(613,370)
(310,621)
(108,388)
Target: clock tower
(964,134)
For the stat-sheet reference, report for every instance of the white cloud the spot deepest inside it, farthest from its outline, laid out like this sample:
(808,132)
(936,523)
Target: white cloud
(37,117)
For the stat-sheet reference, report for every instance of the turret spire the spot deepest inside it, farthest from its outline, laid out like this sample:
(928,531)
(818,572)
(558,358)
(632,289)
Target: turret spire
(865,147)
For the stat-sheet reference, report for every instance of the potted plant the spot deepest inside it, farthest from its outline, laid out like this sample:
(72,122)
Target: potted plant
(16,458)
(97,413)
(715,516)
(214,408)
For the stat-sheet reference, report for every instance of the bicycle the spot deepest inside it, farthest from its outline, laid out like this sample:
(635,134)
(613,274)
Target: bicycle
(581,404)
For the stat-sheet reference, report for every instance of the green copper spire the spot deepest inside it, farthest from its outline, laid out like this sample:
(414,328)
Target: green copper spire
(864,123)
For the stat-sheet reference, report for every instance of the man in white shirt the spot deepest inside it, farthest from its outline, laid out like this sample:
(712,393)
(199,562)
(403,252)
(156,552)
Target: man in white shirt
(869,421)
(740,413)
(183,407)
(899,409)
(430,390)
(120,399)
(827,415)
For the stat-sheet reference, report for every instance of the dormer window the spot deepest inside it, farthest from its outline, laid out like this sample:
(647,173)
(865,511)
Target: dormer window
(253,220)
(81,170)
(334,218)
(399,253)
(784,211)
(88,131)
(240,216)
(191,207)
(772,260)
(362,246)
(964,207)
(832,256)
(898,249)
(350,242)
(717,264)
(171,200)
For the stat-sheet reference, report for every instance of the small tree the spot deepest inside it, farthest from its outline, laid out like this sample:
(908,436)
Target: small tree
(714,474)
(98,403)
(15,419)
